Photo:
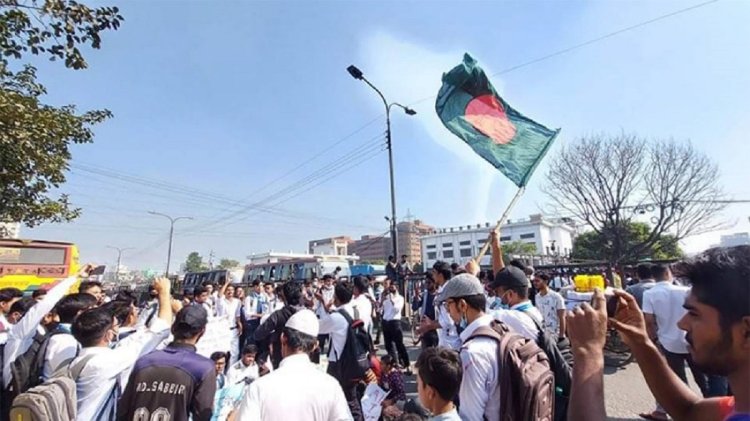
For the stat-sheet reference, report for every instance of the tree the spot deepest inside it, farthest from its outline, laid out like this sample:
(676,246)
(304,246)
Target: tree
(593,246)
(228,264)
(35,137)
(194,262)
(606,182)
(518,248)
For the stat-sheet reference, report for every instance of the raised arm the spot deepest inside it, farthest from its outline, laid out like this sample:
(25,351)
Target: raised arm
(497,252)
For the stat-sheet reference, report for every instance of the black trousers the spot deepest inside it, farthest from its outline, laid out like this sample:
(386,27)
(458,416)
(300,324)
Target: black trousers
(249,332)
(677,364)
(394,341)
(315,356)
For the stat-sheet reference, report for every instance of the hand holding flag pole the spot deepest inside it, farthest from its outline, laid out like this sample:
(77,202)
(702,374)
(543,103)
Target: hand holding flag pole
(503,218)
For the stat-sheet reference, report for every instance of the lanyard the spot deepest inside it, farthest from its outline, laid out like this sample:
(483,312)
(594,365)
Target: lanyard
(525,306)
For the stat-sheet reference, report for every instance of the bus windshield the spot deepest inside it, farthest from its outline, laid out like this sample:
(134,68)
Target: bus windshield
(32,256)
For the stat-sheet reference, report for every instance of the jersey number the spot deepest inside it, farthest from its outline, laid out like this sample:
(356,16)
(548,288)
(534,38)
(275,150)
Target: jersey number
(161,414)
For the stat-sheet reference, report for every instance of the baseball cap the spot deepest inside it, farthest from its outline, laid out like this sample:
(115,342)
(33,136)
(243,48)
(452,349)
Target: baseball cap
(192,317)
(510,277)
(304,321)
(462,285)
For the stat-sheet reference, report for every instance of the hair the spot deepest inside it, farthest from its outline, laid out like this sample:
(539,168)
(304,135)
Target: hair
(292,293)
(387,359)
(521,291)
(8,294)
(255,283)
(643,270)
(200,289)
(120,310)
(659,271)
(22,306)
(343,292)
(477,302)
(360,284)
(38,293)
(127,297)
(87,285)
(216,356)
(721,279)
(70,305)
(327,277)
(440,368)
(544,277)
(338,269)
(459,271)
(250,349)
(90,326)
(188,291)
(443,268)
(299,341)
(454,267)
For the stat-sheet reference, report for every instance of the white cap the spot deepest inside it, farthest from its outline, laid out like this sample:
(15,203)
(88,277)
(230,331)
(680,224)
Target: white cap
(304,321)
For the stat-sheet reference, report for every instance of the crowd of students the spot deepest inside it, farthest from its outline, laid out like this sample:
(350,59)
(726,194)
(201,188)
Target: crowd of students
(488,352)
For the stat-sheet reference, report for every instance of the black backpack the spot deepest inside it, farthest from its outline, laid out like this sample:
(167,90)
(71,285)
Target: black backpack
(26,370)
(561,362)
(354,360)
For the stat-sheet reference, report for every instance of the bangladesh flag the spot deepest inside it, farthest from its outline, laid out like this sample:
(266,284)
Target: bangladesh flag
(470,108)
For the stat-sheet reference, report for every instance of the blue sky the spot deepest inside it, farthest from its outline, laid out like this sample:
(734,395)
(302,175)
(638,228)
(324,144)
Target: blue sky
(219,99)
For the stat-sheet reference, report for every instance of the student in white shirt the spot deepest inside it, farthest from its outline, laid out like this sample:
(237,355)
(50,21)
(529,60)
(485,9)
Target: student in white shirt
(253,307)
(202,297)
(551,305)
(229,307)
(446,329)
(337,326)
(8,297)
(246,369)
(297,390)
(24,326)
(362,302)
(393,304)
(479,394)
(63,346)
(99,383)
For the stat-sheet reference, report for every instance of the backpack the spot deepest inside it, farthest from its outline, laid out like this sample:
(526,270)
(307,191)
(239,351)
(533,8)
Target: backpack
(561,361)
(54,399)
(354,360)
(527,385)
(26,370)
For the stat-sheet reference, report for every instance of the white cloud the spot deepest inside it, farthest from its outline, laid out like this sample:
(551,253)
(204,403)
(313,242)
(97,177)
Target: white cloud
(414,72)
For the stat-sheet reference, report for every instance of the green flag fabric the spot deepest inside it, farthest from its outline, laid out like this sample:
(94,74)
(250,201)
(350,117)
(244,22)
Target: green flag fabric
(470,108)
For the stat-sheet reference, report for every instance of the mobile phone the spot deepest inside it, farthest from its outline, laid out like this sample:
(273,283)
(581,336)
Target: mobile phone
(612,302)
(99,270)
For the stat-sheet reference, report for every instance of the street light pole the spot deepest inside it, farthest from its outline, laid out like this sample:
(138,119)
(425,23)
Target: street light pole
(171,235)
(357,74)
(119,259)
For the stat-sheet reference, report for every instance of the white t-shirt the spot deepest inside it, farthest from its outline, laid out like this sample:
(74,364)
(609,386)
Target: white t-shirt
(336,325)
(392,306)
(664,300)
(364,308)
(548,305)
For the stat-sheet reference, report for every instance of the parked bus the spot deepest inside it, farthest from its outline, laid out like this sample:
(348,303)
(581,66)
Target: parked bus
(216,277)
(32,264)
(284,267)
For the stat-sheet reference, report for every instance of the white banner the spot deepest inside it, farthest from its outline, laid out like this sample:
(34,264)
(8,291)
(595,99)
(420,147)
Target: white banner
(218,337)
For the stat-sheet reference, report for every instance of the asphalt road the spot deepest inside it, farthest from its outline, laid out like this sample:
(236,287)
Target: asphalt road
(625,391)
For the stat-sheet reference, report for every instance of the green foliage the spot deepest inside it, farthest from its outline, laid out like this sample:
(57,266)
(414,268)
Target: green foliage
(35,137)
(228,264)
(594,246)
(194,262)
(519,248)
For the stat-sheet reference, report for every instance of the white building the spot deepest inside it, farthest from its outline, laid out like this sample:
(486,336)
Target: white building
(10,229)
(459,244)
(335,246)
(736,239)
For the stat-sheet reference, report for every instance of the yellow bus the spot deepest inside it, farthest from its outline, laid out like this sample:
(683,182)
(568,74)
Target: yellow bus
(31,264)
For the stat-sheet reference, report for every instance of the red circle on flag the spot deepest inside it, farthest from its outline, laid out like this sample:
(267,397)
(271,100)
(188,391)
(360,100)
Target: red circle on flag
(488,116)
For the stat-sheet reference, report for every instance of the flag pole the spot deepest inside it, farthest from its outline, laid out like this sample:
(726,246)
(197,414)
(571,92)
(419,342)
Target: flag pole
(500,222)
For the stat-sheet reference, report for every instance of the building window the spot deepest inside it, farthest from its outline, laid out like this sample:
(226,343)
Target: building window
(447,245)
(431,246)
(447,254)
(506,238)
(526,236)
(431,255)
(465,243)
(465,252)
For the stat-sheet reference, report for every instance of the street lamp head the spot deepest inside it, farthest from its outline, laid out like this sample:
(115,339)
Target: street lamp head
(355,72)
(409,111)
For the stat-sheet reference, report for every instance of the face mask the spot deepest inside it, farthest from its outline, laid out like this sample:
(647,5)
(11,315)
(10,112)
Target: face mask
(463,322)
(503,303)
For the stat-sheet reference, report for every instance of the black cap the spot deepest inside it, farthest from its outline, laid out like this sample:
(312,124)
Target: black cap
(510,277)
(192,318)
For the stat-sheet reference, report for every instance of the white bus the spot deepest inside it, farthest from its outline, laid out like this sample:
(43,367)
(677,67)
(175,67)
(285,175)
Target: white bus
(276,267)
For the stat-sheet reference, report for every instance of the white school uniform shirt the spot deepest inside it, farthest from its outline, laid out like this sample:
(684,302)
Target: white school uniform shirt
(104,370)
(229,308)
(448,333)
(517,318)
(664,300)
(392,306)
(239,372)
(336,325)
(364,308)
(254,303)
(327,294)
(21,335)
(297,390)
(479,393)
(60,348)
